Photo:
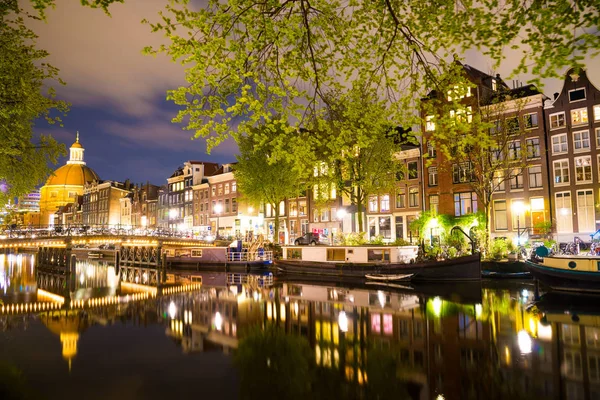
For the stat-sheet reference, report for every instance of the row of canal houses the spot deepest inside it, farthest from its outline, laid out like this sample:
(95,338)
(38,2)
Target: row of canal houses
(559,137)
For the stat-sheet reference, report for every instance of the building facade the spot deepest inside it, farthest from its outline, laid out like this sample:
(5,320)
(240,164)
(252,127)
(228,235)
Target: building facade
(101,207)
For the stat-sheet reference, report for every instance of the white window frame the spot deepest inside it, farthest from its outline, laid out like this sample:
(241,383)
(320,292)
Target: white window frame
(562,168)
(596,109)
(581,140)
(575,162)
(529,155)
(564,219)
(505,218)
(574,90)
(586,214)
(384,203)
(580,111)
(529,174)
(432,176)
(564,142)
(429,124)
(557,115)
(537,122)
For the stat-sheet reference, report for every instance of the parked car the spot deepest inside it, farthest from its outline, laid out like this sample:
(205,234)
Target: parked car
(308,238)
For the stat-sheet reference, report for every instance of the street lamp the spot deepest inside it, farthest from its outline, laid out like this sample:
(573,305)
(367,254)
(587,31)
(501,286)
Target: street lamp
(518,208)
(218,209)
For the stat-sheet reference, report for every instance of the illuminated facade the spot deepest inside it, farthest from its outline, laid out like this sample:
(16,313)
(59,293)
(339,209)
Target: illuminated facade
(65,183)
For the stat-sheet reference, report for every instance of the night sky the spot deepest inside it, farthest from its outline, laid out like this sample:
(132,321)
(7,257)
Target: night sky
(118,94)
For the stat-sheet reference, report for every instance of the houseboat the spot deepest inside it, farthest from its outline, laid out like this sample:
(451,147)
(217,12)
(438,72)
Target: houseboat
(221,258)
(360,261)
(568,273)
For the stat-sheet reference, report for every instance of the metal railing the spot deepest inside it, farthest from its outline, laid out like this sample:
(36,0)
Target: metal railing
(250,256)
(252,280)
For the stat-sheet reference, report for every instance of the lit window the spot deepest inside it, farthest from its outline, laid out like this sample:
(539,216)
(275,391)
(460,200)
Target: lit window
(400,199)
(535,177)
(533,147)
(373,204)
(579,116)
(465,203)
(429,124)
(597,112)
(413,197)
(433,176)
(385,202)
(583,169)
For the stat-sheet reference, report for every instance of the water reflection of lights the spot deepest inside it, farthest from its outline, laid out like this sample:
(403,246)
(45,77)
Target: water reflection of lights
(218,321)
(381,298)
(478,310)
(524,341)
(437,306)
(343,321)
(440,397)
(172,310)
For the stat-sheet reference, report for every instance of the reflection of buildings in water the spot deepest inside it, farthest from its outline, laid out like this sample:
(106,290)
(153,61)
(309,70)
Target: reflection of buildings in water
(17,277)
(67,325)
(210,318)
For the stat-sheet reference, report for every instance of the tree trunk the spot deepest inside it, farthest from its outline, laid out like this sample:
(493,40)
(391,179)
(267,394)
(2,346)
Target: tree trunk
(487,233)
(276,225)
(359,213)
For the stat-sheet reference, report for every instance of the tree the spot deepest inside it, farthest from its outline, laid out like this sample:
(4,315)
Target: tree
(479,137)
(24,97)
(260,59)
(262,177)
(357,147)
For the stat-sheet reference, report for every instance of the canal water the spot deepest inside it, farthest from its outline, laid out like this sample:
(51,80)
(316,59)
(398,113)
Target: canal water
(237,337)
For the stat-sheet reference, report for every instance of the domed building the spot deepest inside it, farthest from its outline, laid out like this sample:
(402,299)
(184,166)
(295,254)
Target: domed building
(65,184)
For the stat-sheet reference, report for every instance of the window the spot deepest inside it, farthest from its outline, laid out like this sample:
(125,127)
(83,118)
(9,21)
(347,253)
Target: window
(227,209)
(576,95)
(581,141)
(465,203)
(535,176)
(400,198)
(385,202)
(597,112)
(413,172)
(500,216)
(499,181)
(496,154)
(586,217)
(385,227)
(514,150)
(373,204)
(579,116)
(429,123)
(533,147)
(516,178)
(557,120)
(234,205)
(462,172)
(559,144)
(494,85)
(433,176)
(324,214)
(399,227)
(214,191)
(561,172)
(233,187)
(530,120)
(564,212)
(430,149)
(583,169)
(220,190)
(512,125)
(413,197)
(496,127)
(463,115)
(227,188)
(459,92)
(434,205)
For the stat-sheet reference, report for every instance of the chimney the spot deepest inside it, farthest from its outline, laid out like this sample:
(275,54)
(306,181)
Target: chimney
(556,95)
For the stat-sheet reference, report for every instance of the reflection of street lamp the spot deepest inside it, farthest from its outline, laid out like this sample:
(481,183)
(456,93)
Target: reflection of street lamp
(518,208)
(343,321)
(218,209)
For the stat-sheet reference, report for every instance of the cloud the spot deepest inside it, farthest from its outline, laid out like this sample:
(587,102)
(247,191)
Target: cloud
(100,57)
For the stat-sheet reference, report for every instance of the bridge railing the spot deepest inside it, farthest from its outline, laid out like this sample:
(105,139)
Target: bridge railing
(38,231)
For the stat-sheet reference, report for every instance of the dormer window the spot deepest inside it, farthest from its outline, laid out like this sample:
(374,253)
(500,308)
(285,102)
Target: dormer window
(494,85)
(576,95)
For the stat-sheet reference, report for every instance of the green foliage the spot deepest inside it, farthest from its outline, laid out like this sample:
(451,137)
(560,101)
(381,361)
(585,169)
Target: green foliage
(543,227)
(274,365)
(355,239)
(26,94)
(500,248)
(377,240)
(268,62)
(401,242)
(262,176)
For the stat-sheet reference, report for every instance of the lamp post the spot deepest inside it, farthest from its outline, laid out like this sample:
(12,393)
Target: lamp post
(518,208)
(218,208)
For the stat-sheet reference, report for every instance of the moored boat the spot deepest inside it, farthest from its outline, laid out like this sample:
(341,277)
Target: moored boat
(358,261)
(389,277)
(571,273)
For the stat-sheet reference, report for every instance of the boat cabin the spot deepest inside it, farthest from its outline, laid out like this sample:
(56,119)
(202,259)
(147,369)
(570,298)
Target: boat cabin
(352,254)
